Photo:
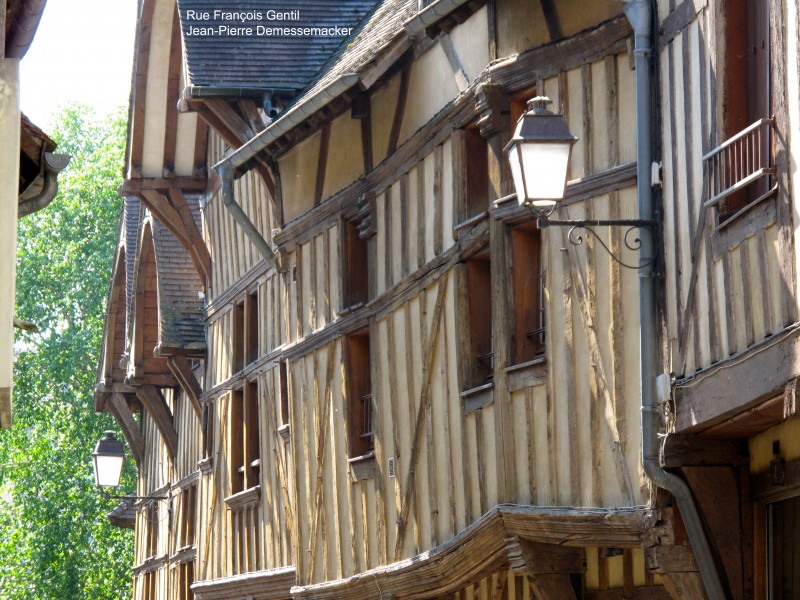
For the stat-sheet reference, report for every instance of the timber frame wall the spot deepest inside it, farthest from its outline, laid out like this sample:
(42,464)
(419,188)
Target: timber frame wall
(365,415)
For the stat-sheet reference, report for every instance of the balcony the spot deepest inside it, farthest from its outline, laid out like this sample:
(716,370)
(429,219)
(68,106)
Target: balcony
(737,164)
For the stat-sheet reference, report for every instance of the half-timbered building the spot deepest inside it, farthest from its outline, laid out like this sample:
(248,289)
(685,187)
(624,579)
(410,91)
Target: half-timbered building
(357,369)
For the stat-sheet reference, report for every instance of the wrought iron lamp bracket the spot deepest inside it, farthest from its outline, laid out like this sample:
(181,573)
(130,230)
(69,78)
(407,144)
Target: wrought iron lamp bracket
(631,241)
(108,496)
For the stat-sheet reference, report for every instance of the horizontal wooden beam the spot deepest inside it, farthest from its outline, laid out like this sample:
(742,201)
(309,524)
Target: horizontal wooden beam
(693,451)
(157,408)
(730,387)
(134,187)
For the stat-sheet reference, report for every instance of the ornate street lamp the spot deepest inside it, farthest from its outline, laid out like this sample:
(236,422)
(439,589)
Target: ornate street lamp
(108,458)
(539,156)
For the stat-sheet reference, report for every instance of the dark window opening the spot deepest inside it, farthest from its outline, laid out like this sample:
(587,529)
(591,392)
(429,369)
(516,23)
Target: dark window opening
(528,282)
(359,394)
(284,390)
(244,442)
(480,363)
(355,268)
(251,321)
(747,93)
(238,337)
(477,173)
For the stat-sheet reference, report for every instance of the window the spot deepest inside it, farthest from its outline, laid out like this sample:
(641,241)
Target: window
(185,580)
(480,361)
(528,283)
(783,531)
(284,390)
(150,515)
(245,331)
(187,518)
(148,585)
(477,173)
(355,287)
(747,64)
(359,394)
(244,444)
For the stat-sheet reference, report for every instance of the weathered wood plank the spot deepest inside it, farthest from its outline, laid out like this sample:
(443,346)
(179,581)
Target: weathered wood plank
(118,406)
(429,356)
(157,408)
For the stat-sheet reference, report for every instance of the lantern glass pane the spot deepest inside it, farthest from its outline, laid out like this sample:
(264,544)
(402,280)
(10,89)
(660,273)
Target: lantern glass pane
(545,169)
(514,159)
(107,470)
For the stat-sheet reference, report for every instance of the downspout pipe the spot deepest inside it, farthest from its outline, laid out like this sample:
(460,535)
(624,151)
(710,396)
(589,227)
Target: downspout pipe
(640,14)
(227,173)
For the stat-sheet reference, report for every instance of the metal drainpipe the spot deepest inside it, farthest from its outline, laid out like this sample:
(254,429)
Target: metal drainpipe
(226,173)
(640,15)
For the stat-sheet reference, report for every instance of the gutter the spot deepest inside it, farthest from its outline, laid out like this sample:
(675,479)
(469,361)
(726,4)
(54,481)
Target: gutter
(229,166)
(22,30)
(640,15)
(53,164)
(432,14)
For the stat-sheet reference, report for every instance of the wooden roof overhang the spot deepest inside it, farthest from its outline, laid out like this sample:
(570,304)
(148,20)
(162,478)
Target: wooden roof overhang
(166,149)
(538,542)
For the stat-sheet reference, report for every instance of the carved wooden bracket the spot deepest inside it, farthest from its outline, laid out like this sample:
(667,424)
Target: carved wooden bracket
(367,225)
(118,406)
(157,408)
(174,212)
(547,566)
(494,106)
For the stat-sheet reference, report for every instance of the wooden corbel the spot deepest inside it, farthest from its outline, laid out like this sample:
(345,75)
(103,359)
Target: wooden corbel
(157,408)
(182,369)
(118,406)
(548,567)
(494,106)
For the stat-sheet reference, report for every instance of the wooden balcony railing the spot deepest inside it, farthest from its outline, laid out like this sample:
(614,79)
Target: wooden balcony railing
(740,161)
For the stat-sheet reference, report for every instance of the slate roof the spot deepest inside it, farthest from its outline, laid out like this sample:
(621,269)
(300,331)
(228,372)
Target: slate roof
(179,288)
(284,62)
(382,27)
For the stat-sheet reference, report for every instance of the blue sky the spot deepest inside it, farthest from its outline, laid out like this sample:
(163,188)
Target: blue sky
(82,52)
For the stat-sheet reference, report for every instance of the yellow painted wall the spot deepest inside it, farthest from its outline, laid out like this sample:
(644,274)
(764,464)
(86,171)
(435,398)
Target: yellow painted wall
(787,433)
(298,169)
(345,156)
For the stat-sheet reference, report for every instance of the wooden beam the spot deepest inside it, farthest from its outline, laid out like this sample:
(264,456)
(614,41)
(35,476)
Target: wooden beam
(678,570)
(387,61)
(692,451)
(157,408)
(459,73)
(249,110)
(118,406)
(552,586)
(534,558)
(173,95)
(400,108)
(232,119)
(143,35)
(197,248)
(134,187)
(551,20)
(322,162)
(177,217)
(729,387)
(181,368)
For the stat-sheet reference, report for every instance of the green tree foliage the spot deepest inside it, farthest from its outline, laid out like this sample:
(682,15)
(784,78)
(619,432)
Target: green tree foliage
(55,539)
